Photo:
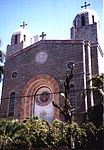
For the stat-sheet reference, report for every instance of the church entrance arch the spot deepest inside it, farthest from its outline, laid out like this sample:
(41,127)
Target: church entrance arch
(39,92)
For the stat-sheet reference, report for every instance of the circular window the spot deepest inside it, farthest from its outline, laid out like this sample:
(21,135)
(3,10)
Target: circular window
(14,74)
(41,57)
(43,96)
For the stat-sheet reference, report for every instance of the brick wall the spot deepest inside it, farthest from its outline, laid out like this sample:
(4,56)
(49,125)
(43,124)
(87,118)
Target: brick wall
(60,52)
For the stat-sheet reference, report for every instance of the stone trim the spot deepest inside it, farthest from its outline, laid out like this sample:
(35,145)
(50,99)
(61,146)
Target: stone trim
(31,86)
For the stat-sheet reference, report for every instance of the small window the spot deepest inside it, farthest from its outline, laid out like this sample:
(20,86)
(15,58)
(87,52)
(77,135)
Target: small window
(14,74)
(16,39)
(30,40)
(93,19)
(11,104)
(83,20)
(75,23)
(24,37)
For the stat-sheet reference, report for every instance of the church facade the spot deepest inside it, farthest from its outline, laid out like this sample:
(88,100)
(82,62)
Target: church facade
(35,72)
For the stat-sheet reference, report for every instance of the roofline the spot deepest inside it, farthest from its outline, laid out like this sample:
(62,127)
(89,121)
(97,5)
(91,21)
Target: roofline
(49,42)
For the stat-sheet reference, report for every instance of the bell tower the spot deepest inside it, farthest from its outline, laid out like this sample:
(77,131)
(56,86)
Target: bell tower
(85,25)
(21,38)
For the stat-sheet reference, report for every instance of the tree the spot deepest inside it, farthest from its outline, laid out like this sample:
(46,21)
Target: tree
(2,60)
(67,109)
(95,113)
(98,87)
(90,130)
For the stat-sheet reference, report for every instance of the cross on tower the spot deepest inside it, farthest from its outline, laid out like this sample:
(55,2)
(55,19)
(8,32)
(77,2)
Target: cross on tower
(23,25)
(85,5)
(42,35)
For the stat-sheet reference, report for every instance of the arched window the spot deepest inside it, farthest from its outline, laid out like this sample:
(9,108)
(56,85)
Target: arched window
(93,19)
(75,23)
(83,20)
(16,39)
(11,104)
(24,37)
(72,96)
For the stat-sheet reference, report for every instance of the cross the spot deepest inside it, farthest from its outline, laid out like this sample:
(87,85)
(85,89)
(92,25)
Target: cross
(23,25)
(42,35)
(85,5)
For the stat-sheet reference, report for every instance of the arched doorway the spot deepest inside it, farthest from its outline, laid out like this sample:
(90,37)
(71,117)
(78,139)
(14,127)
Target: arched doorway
(39,93)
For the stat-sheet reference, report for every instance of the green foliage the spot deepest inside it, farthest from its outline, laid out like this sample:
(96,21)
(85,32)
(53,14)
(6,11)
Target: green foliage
(91,131)
(98,81)
(2,60)
(59,133)
(78,134)
(12,135)
(36,133)
(98,88)
(100,136)
(97,110)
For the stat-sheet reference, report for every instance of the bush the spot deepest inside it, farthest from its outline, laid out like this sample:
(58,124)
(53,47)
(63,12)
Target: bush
(36,133)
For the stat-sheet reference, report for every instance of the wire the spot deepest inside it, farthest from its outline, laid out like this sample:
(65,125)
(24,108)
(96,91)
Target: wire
(35,95)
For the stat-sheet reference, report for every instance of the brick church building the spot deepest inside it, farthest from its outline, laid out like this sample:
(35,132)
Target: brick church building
(35,71)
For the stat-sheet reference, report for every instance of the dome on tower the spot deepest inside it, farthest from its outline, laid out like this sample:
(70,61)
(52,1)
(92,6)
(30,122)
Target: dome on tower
(89,11)
(21,38)
(85,17)
(85,25)
(23,33)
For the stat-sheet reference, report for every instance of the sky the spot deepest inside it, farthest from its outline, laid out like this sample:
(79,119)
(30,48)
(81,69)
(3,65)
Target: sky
(53,17)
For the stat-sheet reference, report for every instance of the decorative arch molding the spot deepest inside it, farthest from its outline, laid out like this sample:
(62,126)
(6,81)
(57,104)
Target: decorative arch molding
(31,87)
